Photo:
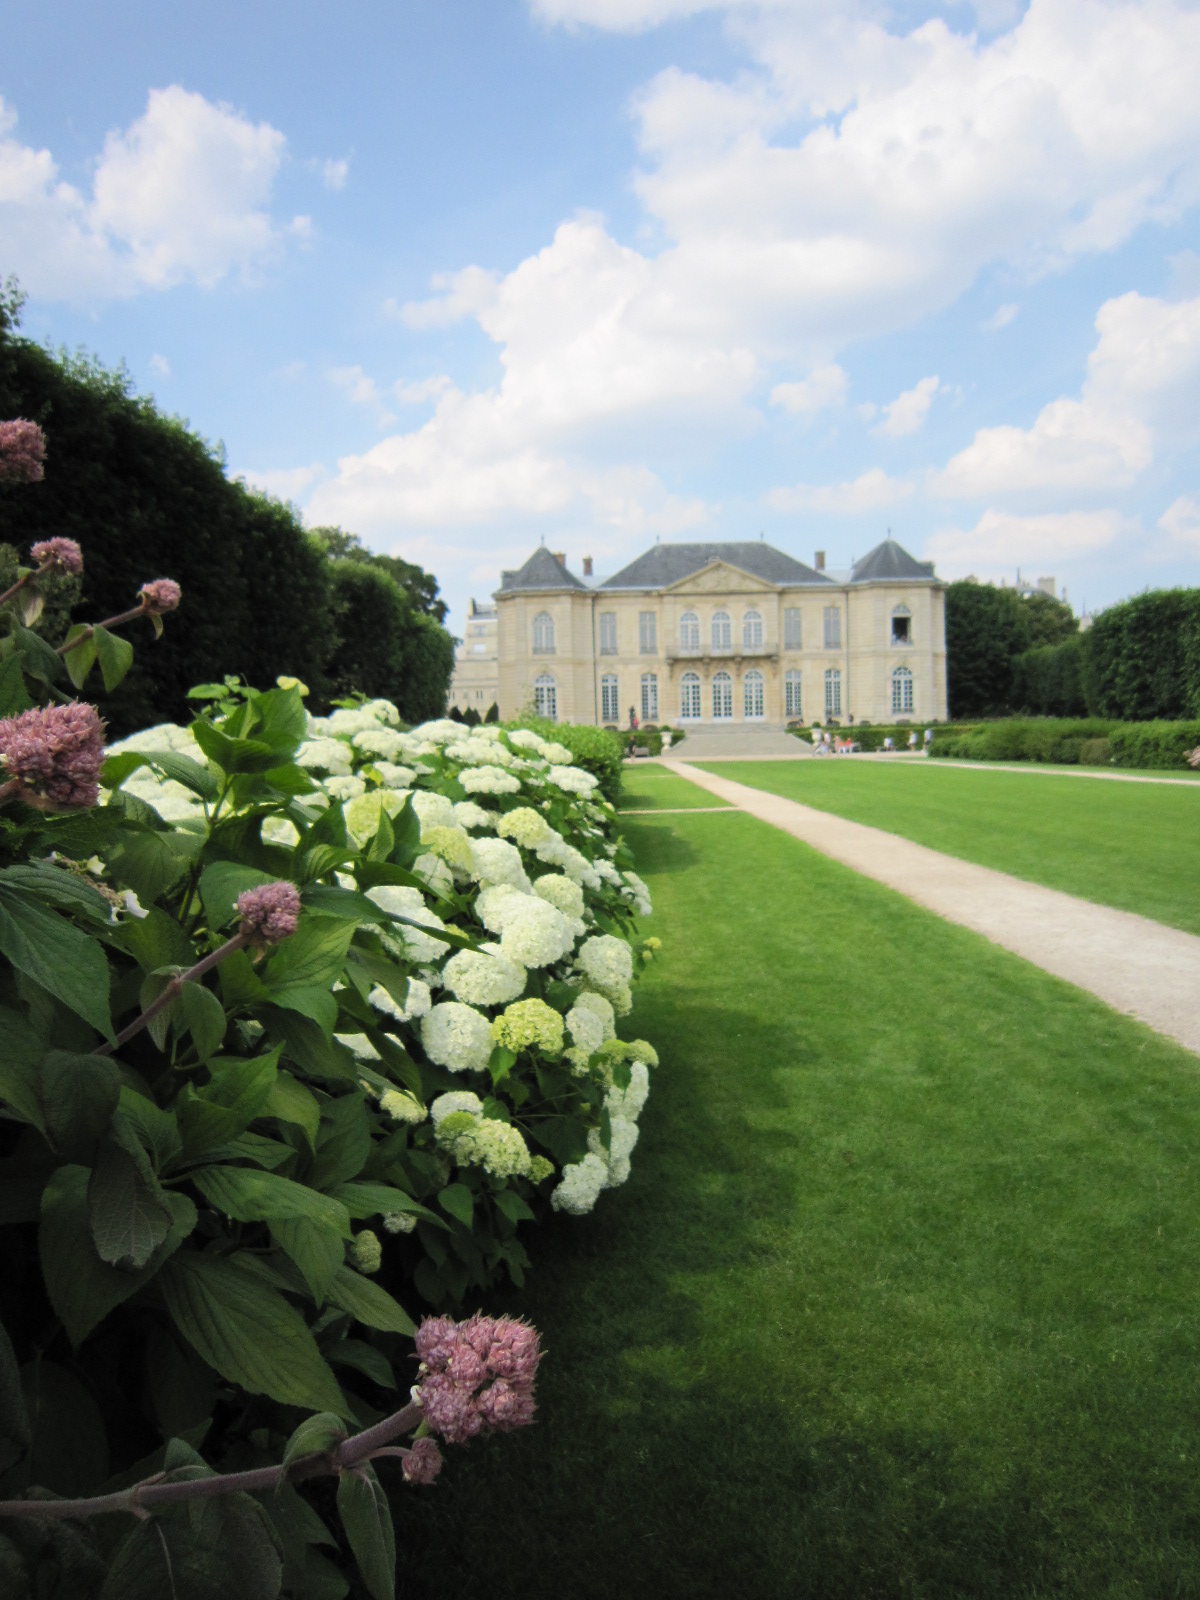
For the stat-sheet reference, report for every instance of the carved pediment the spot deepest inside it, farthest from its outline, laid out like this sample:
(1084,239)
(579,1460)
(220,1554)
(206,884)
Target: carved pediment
(719,577)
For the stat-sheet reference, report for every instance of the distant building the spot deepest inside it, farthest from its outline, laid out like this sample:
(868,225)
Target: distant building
(719,634)
(475,684)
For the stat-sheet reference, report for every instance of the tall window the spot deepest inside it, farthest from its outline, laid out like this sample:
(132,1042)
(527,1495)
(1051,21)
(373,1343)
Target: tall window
(792,636)
(902,690)
(543,634)
(752,694)
(689,631)
(649,697)
(648,632)
(689,708)
(722,697)
(545,697)
(833,627)
(833,692)
(901,625)
(791,694)
(608,633)
(722,632)
(752,631)
(610,700)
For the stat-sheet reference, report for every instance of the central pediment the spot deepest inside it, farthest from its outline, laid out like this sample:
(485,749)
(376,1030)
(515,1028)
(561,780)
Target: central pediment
(720,577)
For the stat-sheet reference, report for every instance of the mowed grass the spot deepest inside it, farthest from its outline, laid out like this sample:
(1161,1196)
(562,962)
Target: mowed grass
(900,1300)
(653,788)
(1131,845)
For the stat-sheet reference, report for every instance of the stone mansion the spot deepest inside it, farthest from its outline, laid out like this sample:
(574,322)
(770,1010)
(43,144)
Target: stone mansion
(717,634)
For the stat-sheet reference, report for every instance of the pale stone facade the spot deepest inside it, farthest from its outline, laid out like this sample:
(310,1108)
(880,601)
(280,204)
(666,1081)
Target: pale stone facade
(475,684)
(713,635)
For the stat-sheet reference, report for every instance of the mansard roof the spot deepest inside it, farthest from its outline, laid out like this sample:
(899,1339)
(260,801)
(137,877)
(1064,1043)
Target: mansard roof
(666,564)
(543,570)
(887,562)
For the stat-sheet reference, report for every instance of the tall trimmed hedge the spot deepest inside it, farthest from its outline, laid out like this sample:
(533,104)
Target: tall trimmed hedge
(1142,658)
(1048,681)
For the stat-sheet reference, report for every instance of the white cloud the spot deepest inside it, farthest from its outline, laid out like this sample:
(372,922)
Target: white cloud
(1181,521)
(461,294)
(1001,541)
(160,365)
(1142,385)
(285,483)
(362,390)
(824,389)
(181,195)
(869,492)
(334,173)
(907,412)
(1000,318)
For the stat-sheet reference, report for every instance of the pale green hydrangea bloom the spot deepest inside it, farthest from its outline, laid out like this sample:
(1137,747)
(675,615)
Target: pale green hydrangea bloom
(401,1106)
(563,893)
(590,1021)
(456,1100)
(530,1022)
(539,1169)
(435,872)
(366,1251)
(453,846)
(489,780)
(364,811)
(399,1222)
(457,1037)
(469,815)
(534,933)
(607,965)
(481,978)
(344,786)
(497,861)
(525,826)
(495,1146)
(281,831)
(433,810)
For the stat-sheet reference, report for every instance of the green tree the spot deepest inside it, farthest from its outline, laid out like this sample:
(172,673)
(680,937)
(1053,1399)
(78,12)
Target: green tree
(384,645)
(986,628)
(420,586)
(1051,621)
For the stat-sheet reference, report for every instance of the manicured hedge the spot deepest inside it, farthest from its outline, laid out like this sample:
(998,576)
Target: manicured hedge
(1142,658)
(1049,680)
(1153,744)
(1087,741)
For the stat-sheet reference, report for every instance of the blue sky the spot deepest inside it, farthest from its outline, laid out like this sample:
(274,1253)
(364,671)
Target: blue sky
(464,276)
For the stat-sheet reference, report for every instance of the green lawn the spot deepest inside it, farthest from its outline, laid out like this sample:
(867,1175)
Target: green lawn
(652,788)
(1131,845)
(900,1300)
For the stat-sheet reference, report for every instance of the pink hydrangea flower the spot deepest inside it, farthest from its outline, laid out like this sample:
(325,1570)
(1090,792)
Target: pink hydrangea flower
(271,912)
(60,555)
(423,1461)
(22,452)
(164,594)
(55,753)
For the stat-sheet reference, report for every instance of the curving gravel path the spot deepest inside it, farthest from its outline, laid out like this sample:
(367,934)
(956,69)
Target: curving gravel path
(1131,963)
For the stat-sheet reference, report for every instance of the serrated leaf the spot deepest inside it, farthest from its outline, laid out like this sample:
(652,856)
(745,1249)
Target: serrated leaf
(316,1436)
(183,769)
(41,661)
(248,1194)
(209,1550)
(512,1206)
(56,954)
(220,884)
(200,1013)
(227,1105)
(457,1200)
(82,1288)
(379,1200)
(127,1205)
(20,1062)
(150,862)
(371,1305)
(363,1508)
(56,886)
(14,697)
(156,940)
(313,956)
(157,1130)
(364,1358)
(248,1332)
(317,1251)
(291,1101)
(77,1094)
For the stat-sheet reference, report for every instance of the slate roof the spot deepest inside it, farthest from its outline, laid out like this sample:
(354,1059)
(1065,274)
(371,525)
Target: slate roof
(543,570)
(665,564)
(889,561)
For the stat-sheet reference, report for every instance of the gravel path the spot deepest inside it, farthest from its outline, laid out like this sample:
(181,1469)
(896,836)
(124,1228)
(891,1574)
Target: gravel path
(1131,963)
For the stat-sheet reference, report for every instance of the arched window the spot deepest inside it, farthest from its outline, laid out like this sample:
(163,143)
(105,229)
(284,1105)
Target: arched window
(791,694)
(690,697)
(901,625)
(689,631)
(752,695)
(902,690)
(723,696)
(722,633)
(610,699)
(833,692)
(543,634)
(545,697)
(752,631)
(649,697)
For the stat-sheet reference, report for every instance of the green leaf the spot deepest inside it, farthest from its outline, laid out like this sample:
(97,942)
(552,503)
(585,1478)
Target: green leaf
(59,887)
(371,1305)
(248,1332)
(316,1436)
(363,1508)
(156,940)
(280,719)
(317,1251)
(78,1095)
(220,884)
(82,1288)
(457,1199)
(249,1195)
(313,956)
(406,828)
(15,1434)
(291,1101)
(57,955)
(208,1550)
(307,1046)
(40,660)
(512,1206)
(225,1107)
(114,654)
(127,1205)
(379,1200)
(148,862)
(344,1142)
(183,769)
(200,1013)
(20,1060)
(234,755)
(155,1129)
(14,697)
(82,658)
(364,1358)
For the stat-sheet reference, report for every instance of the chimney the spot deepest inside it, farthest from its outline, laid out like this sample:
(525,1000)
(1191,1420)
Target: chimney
(819,561)
(587,566)
(560,557)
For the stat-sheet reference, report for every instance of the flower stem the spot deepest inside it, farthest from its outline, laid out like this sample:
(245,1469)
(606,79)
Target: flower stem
(28,578)
(109,622)
(173,989)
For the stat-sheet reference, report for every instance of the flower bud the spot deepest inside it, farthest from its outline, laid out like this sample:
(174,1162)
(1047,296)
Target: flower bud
(55,753)
(22,452)
(59,555)
(164,594)
(270,913)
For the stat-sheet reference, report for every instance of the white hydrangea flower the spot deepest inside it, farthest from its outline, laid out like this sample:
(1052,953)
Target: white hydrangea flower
(456,1100)
(481,979)
(477,752)
(377,741)
(535,934)
(383,711)
(349,720)
(525,739)
(435,873)
(572,780)
(591,1022)
(563,893)
(433,810)
(557,754)
(469,815)
(609,873)
(628,1102)
(147,740)
(344,786)
(399,1222)
(393,776)
(622,1138)
(606,962)
(497,861)
(328,755)
(439,732)
(280,830)
(556,852)
(404,901)
(401,1106)
(580,1186)
(416,1004)
(454,846)
(489,780)
(457,1037)
(639,894)
(491,904)
(359,1044)
(524,825)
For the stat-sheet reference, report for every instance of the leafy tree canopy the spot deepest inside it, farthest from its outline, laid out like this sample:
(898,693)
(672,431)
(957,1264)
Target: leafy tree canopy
(420,586)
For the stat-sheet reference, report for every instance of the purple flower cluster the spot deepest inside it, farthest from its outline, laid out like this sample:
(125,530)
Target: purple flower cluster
(55,753)
(476,1375)
(58,555)
(423,1461)
(163,594)
(270,913)
(22,452)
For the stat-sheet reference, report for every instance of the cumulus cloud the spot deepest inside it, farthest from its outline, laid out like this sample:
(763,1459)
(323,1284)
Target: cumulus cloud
(1001,540)
(824,389)
(1000,318)
(183,195)
(460,295)
(362,390)
(869,492)
(1142,385)
(1181,521)
(907,412)
(285,483)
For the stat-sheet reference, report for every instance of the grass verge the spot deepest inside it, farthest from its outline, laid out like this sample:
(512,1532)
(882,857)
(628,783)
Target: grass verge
(900,1299)
(652,788)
